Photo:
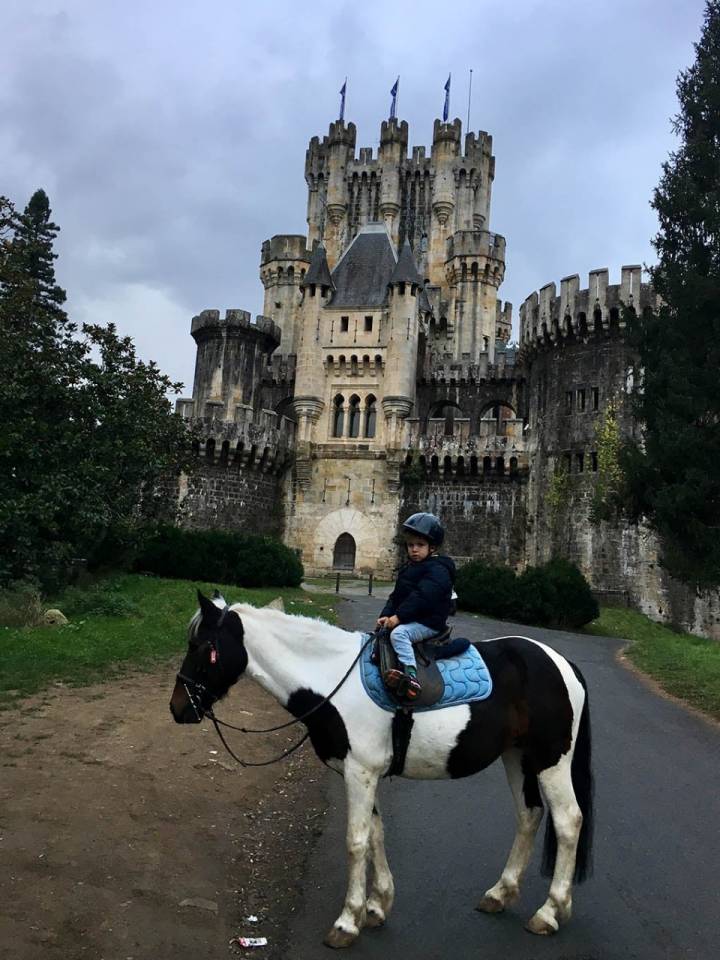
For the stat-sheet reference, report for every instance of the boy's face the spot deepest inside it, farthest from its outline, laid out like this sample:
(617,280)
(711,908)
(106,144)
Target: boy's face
(418,549)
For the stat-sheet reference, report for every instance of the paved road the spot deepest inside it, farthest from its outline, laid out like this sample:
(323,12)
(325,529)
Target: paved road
(655,893)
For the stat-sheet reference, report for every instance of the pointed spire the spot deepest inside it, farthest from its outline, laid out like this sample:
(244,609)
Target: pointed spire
(318,271)
(405,269)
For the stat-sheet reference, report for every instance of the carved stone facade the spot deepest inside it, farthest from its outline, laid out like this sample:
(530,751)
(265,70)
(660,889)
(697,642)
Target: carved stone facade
(380,381)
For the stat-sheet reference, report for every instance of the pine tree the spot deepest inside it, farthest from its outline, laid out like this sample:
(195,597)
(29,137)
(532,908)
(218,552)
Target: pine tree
(85,425)
(674,473)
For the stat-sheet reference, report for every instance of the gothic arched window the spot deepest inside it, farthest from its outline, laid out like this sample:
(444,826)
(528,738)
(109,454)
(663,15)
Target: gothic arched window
(370,416)
(354,417)
(338,415)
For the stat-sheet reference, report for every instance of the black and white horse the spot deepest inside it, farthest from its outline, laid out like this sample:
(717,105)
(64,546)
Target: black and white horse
(536,719)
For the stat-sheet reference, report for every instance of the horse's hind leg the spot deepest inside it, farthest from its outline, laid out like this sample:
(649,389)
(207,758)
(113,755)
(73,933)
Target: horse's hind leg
(529,811)
(556,784)
(360,786)
(382,890)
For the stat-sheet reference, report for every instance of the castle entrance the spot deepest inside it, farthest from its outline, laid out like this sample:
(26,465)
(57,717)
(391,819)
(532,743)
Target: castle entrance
(344,552)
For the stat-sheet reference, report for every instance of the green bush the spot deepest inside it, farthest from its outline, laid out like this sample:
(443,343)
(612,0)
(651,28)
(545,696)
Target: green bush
(102,599)
(556,594)
(20,604)
(243,559)
(575,604)
(486,589)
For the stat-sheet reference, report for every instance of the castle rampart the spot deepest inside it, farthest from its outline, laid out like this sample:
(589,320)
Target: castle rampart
(546,318)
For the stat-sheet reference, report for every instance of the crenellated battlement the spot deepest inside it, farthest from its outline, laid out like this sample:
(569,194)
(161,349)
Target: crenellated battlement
(490,457)
(547,318)
(285,246)
(476,243)
(208,324)
(502,369)
(263,442)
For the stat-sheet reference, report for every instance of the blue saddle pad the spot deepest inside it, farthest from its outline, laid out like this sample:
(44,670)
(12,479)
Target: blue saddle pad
(466,680)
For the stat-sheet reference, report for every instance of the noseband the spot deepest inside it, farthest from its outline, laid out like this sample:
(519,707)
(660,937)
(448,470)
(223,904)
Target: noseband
(196,690)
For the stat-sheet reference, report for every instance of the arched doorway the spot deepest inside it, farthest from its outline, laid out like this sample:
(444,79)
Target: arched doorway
(344,552)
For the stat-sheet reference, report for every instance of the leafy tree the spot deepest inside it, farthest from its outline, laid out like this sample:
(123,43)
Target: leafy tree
(673,473)
(85,426)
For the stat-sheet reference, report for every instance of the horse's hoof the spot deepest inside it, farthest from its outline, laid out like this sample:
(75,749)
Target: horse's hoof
(541,926)
(337,938)
(490,905)
(374,917)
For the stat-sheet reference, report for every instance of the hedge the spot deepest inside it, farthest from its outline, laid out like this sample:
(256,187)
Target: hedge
(556,594)
(243,559)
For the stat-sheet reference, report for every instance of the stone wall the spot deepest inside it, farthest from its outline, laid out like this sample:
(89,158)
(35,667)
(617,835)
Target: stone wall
(226,497)
(484,517)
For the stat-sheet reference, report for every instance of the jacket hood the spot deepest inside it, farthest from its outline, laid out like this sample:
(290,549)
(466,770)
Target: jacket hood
(448,563)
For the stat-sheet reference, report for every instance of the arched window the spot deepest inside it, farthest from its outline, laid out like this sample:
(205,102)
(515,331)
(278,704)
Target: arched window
(370,416)
(344,552)
(354,417)
(338,415)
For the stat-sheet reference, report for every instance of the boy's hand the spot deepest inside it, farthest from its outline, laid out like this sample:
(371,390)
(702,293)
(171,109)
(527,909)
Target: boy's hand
(381,621)
(391,622)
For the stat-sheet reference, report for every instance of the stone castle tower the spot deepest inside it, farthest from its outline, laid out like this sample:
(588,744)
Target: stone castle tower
(380,380)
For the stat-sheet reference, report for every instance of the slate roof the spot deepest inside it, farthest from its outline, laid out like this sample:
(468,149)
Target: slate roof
(362,274)
(318,272)
(405,269)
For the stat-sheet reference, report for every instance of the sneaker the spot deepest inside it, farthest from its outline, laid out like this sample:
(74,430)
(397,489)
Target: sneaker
(413,688)
(392,678)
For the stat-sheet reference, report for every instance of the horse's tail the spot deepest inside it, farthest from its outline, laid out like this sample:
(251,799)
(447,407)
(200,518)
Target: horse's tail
(582,781)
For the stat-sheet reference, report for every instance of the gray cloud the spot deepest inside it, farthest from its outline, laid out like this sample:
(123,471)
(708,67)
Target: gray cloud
(172,139)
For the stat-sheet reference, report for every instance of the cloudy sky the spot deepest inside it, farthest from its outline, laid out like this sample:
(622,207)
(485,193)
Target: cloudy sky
(171,136)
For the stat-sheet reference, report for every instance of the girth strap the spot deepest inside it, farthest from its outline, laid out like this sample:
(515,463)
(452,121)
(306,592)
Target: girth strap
(402,725)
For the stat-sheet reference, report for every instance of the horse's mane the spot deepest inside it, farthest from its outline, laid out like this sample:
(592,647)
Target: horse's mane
(308,629)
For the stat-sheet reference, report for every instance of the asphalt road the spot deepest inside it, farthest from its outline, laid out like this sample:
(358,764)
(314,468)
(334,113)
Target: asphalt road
(655,892)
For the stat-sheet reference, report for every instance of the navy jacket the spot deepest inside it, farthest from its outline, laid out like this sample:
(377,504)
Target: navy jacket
(422,592)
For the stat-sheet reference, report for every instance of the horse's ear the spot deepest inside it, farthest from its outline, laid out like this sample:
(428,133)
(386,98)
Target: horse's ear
(210,613)
(218,596)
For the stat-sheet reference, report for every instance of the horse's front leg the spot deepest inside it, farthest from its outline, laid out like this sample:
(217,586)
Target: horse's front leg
(360,787)
(382,890)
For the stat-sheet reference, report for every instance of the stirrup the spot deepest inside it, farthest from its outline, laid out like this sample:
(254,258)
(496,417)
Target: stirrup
(409,688)
(392,678)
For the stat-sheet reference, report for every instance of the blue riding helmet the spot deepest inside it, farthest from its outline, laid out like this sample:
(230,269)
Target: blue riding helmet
(425,525)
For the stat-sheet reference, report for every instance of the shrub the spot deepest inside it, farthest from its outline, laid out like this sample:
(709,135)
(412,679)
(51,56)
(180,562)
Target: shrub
(575,604)
(486,589)
(243,559)
(556,594)
(20,604)
(102,599)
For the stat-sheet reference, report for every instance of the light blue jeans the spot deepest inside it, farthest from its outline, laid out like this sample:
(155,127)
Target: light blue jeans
(403,637)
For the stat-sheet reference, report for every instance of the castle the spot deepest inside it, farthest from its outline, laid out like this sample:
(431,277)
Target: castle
(380,380)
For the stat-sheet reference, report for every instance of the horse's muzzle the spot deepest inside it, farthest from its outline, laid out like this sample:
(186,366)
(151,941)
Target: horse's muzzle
(182,707)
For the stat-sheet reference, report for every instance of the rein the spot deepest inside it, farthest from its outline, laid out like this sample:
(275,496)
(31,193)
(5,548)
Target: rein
(189,683)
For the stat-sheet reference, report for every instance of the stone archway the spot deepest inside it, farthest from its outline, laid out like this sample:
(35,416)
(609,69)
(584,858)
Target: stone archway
(365,532)
(344,552)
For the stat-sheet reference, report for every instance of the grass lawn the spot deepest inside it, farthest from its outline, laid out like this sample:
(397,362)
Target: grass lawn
(124,622)
(683,664)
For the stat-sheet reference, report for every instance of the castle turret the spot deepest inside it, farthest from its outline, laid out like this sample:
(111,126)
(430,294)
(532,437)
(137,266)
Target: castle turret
(232,353)
(393,152)
(340,151)
(402,341)
(475,270)
(283,265)
(445,149)
(317,288)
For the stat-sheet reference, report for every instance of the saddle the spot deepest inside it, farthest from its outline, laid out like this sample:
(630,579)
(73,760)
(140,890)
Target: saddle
(427,652)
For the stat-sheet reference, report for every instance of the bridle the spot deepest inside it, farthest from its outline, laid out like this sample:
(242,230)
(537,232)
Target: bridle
(196,690)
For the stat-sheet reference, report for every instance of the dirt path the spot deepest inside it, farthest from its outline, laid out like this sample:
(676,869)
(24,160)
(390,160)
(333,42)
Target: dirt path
(126,837)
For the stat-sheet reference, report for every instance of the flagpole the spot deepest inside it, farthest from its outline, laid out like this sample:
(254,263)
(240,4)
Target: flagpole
(467,129)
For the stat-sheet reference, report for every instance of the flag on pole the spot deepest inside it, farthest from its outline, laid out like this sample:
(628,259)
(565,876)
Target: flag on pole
(342,101)
(446,107)
(393,93)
